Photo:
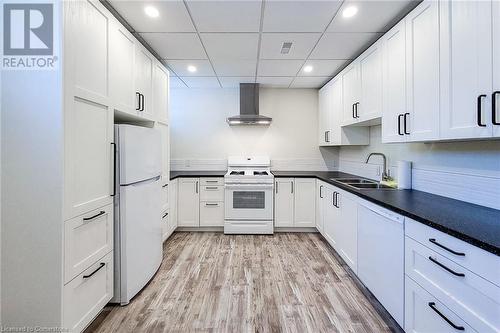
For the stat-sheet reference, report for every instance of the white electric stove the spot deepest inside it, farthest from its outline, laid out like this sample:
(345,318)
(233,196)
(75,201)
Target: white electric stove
(249,186)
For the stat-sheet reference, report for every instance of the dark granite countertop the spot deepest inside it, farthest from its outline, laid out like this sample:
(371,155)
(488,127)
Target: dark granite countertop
(477,225)
(194,174)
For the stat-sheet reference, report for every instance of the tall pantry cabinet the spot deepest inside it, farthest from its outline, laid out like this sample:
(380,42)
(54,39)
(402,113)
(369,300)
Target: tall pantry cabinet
(102,72)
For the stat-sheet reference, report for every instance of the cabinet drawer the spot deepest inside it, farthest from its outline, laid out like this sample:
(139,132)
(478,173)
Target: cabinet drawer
(483,263)
(210,181)
(87,238)
(212,193)
(212,214)
(474,299)
(164,195)
(87,294)
(424,313)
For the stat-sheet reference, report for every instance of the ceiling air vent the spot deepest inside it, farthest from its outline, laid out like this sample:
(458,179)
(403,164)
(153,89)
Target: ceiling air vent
(285,48)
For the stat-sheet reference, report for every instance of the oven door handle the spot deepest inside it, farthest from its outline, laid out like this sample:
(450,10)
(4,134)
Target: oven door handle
(246,186)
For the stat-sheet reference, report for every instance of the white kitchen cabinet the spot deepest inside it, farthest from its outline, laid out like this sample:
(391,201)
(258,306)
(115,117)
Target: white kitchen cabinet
(496,68)
(351,95)
(320,202)
(165,144)
(283,202)
(143,82)
(212,213)
(370,81)
(424,313)
(122,51)
(381,256)
(466,44)
(188,204)
(160,92)
(172,204)
(394,83)
(325,109)
(304,202)
(421,119)
(331,217)
(347,231)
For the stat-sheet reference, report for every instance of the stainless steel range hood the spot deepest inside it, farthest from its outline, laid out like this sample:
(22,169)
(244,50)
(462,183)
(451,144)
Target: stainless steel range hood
(249,107)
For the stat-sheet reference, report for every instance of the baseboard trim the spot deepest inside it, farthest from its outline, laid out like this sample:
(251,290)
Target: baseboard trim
(294,229)
(200,229)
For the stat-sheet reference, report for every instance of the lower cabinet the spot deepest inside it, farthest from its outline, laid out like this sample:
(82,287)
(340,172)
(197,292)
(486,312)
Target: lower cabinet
(188,205)
(347,231)
(87,294)
(381,256)
(294,202)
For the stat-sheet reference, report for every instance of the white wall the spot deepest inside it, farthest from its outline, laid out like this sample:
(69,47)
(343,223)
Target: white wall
(199,130)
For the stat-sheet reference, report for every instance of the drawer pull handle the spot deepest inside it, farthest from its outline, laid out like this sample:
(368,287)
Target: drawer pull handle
(165,185)
(433,241)
(211,181)
(165,215)
(93,217)
(211,188)
(432,305)
(211,204)
(98,268)
(444,267)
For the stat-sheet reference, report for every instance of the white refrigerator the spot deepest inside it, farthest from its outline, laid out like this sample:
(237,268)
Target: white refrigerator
(138,228)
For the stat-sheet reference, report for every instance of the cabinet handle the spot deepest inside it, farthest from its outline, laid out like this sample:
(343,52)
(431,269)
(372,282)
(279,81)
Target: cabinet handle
(212,204)
(494,108)
(142,103)
(399,125)
(211,187)
(291,189)
(165,185)
(321,191)
(479,110)
(164,215)
(444,267)
(327,136)
(353,111)
(113,193)
(196,186)
(433,241)
(333,199)
(405,128)
(101,265)
(138,95)
(337,199)
(432,305)
(356,109)
(211,181)
(276,187)
(93,217)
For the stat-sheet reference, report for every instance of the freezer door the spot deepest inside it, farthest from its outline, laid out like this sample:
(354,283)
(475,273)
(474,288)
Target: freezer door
(141,246)
(139,151)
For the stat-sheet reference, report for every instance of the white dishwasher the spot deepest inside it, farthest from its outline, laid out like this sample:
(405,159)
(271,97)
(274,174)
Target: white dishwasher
(381,256)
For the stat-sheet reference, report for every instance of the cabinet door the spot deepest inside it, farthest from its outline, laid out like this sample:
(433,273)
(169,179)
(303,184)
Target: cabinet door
(320,199)
(173,203)
(188,205)
(394,83)
(160,93)
(422,69)
(496,66)
(324,116)
(165,144)
(466,45)
(350,92)
(144,80)
(305,204)
(370,78)
(348,229)
(336,112)
(330,218)
(283,202)
(122,53)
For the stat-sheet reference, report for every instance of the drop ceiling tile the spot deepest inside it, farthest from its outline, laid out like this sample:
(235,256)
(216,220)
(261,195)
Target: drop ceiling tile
(175,83)
(302,44)
(279,67)
(201,82)
(298,16)
(372,16)
(234,82)
(323,67)
(173,16)
(231,45)
(309,82)
(176,45)
(274,82)
(203,67)
(229,67)
(225,16)
(340,45)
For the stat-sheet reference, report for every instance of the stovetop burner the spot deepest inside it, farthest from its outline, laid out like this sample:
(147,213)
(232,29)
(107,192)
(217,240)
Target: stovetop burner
(260,173)
(237,173)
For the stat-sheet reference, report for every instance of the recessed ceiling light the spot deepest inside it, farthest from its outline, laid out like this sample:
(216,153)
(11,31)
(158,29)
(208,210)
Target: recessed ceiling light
(151,11)
(350,11)
(308,69)
(192,68)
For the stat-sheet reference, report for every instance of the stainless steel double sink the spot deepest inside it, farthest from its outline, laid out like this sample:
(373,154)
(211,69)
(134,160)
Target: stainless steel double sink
(362,183)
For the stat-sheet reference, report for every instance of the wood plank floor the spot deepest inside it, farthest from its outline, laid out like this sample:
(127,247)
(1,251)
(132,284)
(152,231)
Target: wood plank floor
(211,282)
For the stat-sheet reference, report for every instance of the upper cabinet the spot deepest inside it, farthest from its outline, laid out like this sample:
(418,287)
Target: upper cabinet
(496,69)
(351,93)
(370,76)
(160,92)
(144,81)
(325,114)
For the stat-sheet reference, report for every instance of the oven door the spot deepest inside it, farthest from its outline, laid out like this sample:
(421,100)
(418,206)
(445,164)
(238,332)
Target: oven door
(249,201)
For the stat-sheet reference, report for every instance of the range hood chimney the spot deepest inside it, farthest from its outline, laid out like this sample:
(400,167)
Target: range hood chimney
(249,107)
